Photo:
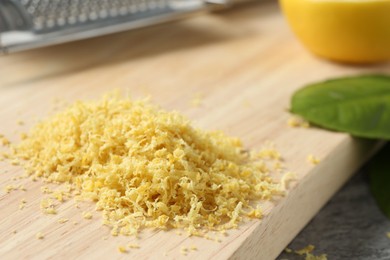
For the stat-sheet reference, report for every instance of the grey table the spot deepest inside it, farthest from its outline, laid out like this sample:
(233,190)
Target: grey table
(350,226)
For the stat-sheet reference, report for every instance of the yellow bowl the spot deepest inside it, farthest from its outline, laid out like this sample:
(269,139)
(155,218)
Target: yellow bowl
(354,31)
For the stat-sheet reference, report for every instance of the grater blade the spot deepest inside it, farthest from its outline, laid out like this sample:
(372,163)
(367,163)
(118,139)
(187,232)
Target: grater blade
(51,15)
(26,24)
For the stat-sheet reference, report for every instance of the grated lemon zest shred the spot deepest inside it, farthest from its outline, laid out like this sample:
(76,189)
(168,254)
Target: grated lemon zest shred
(39,235)
(296,121)
(305,250)
(313,160)
(122,249)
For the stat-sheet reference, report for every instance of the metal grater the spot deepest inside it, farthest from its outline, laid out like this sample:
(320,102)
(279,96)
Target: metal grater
(26,24)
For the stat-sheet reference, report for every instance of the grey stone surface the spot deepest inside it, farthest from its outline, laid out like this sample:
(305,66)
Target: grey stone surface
(350,226)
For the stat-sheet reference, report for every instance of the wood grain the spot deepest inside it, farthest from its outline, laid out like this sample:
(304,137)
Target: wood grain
(244,62)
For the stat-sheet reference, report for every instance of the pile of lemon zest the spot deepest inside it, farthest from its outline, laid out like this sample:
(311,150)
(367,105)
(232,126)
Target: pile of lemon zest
(193,247)
(147,168)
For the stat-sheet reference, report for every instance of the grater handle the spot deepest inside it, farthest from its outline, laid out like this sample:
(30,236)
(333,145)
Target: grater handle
(226,3)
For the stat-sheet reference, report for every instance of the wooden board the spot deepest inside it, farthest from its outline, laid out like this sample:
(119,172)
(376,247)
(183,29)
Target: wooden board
(245,63)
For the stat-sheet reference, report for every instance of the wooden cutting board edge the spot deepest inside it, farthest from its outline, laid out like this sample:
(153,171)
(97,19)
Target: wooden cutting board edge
(304,201)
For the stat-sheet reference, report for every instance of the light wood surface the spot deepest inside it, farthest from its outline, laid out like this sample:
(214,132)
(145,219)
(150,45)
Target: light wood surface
(245,63)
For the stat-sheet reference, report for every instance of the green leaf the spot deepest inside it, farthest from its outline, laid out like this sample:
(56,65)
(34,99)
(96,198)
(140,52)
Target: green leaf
(379,170)
(357,105)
